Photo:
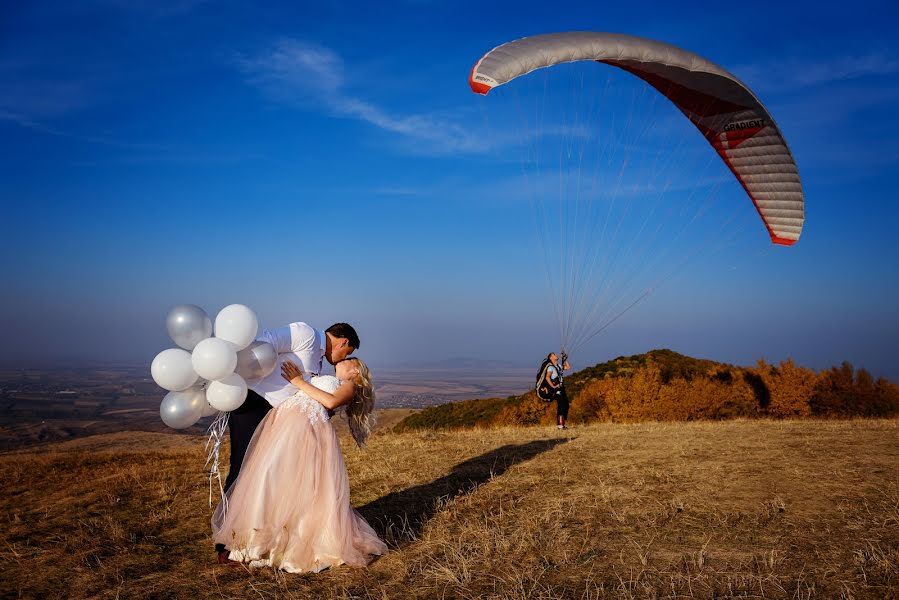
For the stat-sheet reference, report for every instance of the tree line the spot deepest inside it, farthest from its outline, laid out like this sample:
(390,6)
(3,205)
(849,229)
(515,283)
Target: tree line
(665,386)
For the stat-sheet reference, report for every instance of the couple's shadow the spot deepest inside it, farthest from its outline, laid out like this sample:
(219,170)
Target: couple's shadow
(400,516)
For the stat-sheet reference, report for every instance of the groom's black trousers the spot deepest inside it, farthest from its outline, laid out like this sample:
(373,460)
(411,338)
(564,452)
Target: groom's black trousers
(242,423)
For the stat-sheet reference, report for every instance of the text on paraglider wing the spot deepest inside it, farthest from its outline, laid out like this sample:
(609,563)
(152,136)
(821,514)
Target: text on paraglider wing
(750,124)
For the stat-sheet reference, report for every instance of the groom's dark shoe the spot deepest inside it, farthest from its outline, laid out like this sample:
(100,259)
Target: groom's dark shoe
(224,560)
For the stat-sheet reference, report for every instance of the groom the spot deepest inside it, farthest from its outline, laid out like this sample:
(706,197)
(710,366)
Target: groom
(297,342)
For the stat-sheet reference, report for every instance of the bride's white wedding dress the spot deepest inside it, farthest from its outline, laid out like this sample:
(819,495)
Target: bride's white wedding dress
(290,506)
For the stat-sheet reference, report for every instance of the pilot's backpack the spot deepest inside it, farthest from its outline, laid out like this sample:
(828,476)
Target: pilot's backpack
(544,391)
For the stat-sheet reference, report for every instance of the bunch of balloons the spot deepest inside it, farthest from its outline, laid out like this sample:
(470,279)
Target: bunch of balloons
(207,374)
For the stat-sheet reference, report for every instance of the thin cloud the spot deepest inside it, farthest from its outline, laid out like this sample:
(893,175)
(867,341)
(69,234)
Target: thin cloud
(23,121)
(27,123)
(42,98)
(787,75)
(32,99)
(298,73)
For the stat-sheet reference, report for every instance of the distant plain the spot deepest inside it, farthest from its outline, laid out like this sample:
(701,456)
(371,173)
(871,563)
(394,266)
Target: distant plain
(39,406)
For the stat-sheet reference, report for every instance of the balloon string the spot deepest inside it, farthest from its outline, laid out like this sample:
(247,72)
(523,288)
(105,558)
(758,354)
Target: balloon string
(216,433)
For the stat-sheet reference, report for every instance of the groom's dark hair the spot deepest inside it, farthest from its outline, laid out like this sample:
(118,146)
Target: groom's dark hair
(344,330)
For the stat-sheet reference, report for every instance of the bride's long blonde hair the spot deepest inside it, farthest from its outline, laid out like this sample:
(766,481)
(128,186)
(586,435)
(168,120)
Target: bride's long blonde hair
(360,411)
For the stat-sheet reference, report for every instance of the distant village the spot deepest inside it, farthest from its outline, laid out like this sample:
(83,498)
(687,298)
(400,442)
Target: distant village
(106,391)
(44,393)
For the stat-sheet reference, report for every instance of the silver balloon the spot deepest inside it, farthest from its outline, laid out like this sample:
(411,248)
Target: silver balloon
(173,370)
(209,410)
(236,323)
(214,358)
(188,325)
(182,409)
(256,360)
(228,393)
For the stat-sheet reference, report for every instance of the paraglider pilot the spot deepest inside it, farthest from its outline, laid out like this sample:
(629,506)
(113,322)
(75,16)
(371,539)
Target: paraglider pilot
(555,380)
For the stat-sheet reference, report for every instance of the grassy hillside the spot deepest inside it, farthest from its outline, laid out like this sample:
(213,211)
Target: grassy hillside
(464,414)
(485,412)
(662,385)
(748,509)
(670,363)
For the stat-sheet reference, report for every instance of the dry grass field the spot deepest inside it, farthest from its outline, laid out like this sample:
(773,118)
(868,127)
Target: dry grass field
(746,509)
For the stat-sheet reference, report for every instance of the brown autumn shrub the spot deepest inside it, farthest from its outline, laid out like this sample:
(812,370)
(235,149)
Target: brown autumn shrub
(674,401)
(683,400)
(644,396)
(843,392)
(531,410)
(740,401)
(634,397)
(887,396)
(590,403)
(789,388)
(834,394)
(878,398)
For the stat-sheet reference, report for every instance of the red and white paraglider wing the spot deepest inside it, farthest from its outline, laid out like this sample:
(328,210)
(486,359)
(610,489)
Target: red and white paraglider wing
(724,110)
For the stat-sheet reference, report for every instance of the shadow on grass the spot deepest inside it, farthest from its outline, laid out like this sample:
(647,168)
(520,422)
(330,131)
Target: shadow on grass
(399,517)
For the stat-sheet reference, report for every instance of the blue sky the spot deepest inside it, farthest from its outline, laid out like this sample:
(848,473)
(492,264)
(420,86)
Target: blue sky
(328,162)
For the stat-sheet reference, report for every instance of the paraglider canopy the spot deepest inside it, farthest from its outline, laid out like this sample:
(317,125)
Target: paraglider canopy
(726,111)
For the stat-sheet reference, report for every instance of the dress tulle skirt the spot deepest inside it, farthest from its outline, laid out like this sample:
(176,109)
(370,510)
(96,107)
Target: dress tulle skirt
(290,506)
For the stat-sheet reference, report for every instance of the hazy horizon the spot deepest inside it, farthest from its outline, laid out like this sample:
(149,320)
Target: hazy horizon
(445,366)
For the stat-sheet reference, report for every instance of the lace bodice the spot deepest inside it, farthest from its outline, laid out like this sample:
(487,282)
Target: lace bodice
(315,411)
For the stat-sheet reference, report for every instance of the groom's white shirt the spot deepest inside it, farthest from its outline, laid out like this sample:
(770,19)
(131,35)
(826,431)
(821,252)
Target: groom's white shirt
(299,343)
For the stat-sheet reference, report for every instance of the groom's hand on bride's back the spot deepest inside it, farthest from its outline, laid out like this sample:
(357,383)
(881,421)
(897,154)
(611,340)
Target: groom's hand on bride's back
(291,371)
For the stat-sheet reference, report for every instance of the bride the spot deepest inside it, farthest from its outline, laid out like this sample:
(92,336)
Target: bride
(290,506)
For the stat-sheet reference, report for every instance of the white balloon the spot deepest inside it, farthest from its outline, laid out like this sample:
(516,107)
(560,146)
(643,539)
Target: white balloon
(173,370)
(187,325)
(227,393)
(214,358)
(182,409)
(237,324)
(257,360)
